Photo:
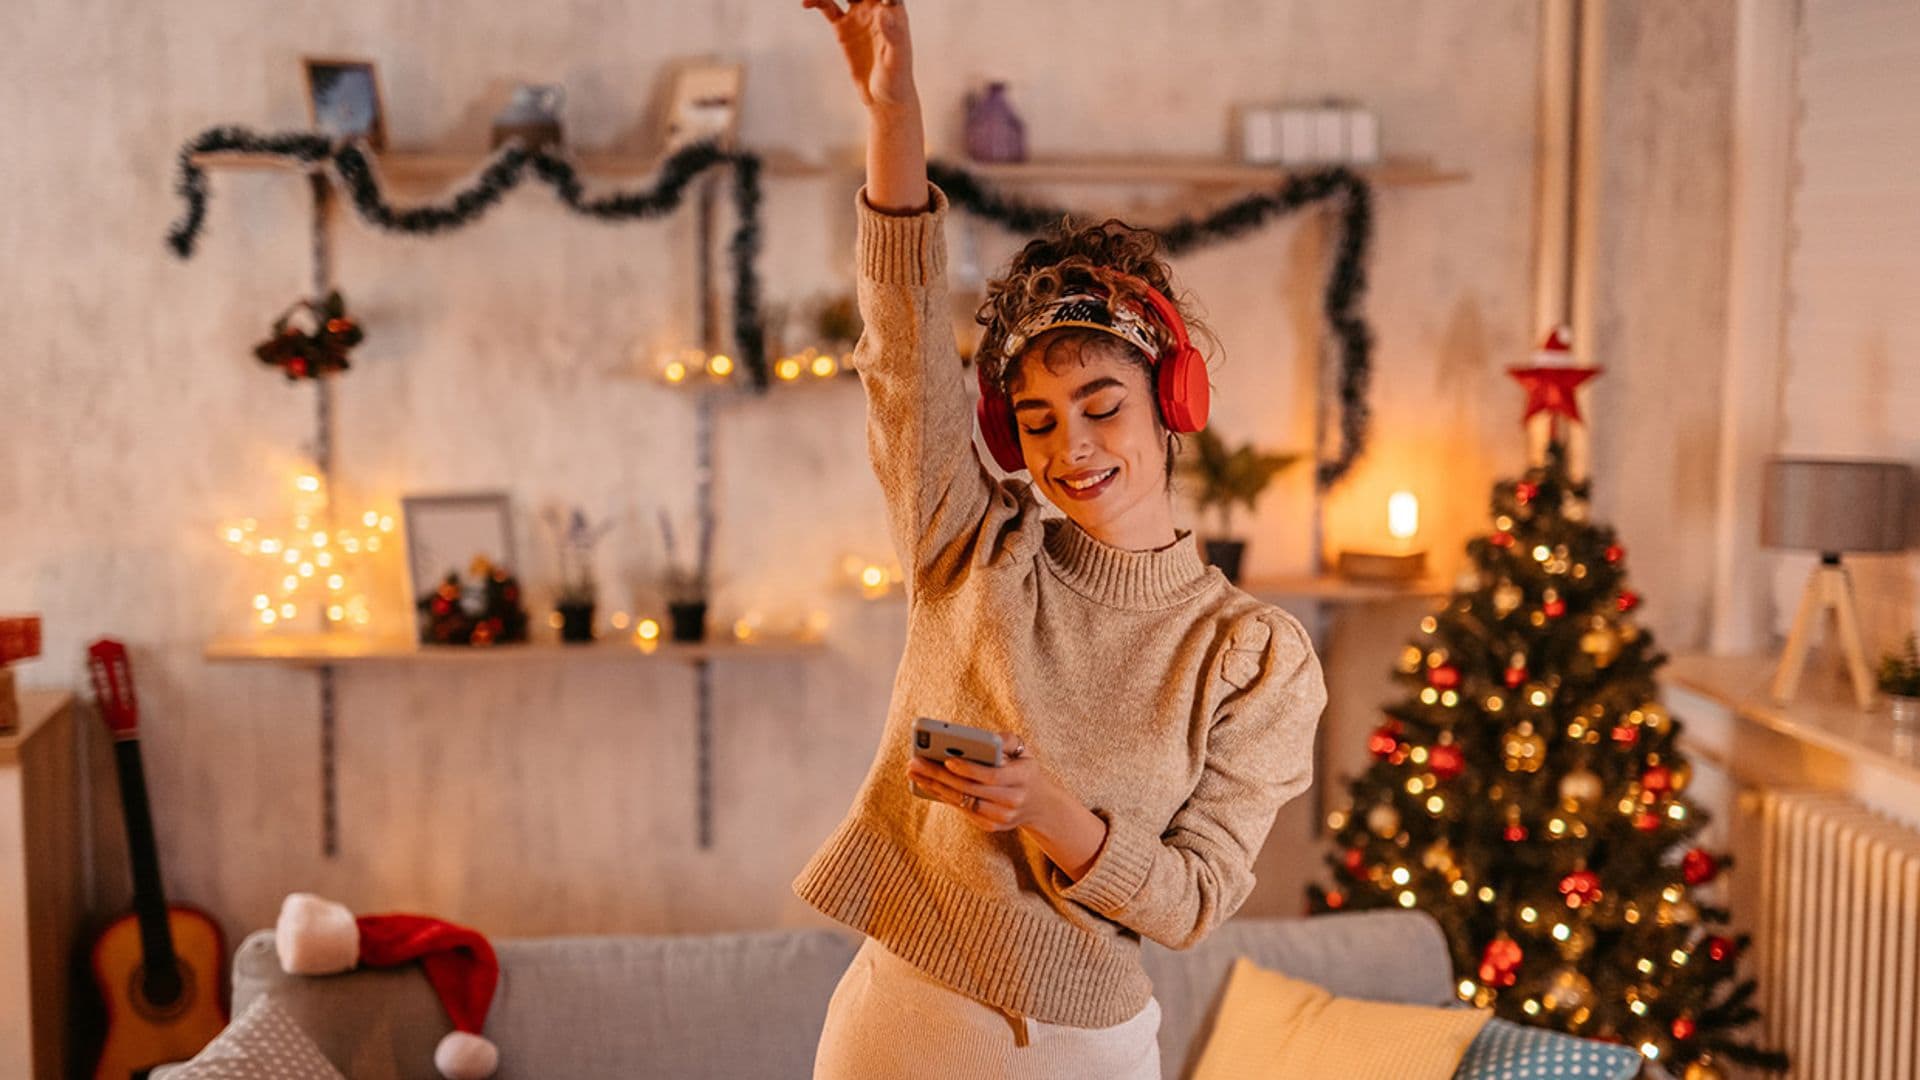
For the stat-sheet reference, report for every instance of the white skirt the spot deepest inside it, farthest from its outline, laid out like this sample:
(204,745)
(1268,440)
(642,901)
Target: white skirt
(888,1019)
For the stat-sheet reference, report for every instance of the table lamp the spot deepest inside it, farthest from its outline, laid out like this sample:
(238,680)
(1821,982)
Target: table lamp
(1404,562)
(1834,507)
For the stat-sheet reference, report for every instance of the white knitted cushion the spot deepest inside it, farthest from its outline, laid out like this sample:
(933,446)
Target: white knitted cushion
(263,1044)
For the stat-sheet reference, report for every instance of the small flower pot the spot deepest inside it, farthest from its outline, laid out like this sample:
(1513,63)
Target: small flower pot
(1225,554)
(576,622)
(1906,712)
(689,620)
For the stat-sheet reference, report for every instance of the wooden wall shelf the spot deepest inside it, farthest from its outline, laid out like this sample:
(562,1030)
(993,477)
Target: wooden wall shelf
(326,650)
(416,166)
(1196,172)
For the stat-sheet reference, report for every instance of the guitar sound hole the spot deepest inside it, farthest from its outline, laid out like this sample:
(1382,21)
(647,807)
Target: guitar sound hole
(162,997)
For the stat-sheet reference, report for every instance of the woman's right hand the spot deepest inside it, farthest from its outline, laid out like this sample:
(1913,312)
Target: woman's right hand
(873,34)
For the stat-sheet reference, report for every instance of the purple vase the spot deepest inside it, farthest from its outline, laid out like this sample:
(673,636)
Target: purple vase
(994,130)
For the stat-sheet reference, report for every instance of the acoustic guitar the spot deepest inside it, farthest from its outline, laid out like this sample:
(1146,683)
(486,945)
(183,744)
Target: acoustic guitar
(160,968)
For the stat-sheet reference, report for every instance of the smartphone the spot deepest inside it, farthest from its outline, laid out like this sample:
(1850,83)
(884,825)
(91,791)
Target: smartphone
(937,740)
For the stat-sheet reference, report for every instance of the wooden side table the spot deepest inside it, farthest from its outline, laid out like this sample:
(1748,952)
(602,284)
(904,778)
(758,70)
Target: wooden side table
(40,885)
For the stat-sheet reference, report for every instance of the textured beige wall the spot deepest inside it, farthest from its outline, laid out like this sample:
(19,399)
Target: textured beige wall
(548,797)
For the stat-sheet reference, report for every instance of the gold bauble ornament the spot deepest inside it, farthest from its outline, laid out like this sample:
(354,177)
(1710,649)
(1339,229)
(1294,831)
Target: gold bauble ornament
(1438,857)
(1681,774)
(1676,912)
(1567,991)
(1383,820)
(1655,716)
(1602,645)
(1583,786)
(1507,597)
(1702,1070)
(1523,749)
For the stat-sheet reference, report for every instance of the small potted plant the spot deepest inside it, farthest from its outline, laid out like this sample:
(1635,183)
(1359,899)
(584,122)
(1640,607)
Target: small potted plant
(686,590)
(575,539)
(1226,476)
(1900,681)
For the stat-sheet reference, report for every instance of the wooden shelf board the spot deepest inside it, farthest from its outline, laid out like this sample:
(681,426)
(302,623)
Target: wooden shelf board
(420,165)
(1198,172)
(316,650)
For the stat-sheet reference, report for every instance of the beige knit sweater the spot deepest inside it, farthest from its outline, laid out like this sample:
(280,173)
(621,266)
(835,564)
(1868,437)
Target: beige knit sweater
(1178,708)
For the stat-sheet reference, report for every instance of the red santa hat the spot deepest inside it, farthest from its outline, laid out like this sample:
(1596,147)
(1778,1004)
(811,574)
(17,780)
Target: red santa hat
(1557,350)
(316,936)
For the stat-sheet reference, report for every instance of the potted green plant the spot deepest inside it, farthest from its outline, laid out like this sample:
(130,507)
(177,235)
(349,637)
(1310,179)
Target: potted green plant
(1224,476)
(1900,681)
(577,595)
(686,589)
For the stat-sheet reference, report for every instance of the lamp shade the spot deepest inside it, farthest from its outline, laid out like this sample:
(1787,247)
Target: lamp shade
(1835,505)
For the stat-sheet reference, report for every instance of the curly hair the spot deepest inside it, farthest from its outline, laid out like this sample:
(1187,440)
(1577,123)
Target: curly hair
(1111,254)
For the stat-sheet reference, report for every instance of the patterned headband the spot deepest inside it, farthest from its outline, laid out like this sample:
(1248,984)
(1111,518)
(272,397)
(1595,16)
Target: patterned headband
(1093,311)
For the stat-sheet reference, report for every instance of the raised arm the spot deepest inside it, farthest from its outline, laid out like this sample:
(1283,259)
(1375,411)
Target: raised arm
(919,412)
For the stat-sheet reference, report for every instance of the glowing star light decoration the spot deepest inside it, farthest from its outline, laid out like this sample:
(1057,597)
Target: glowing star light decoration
(308,566)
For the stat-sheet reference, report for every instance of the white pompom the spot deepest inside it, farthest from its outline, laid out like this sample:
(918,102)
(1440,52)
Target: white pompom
(463,1056)
(315,936)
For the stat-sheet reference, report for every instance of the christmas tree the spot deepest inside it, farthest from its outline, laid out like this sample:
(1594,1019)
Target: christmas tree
(1529,793)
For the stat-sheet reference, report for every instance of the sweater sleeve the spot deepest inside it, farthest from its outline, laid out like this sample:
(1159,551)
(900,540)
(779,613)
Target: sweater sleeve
(1175,885)
(919,411)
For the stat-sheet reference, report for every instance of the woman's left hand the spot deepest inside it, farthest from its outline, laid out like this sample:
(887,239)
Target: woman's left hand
(996,799)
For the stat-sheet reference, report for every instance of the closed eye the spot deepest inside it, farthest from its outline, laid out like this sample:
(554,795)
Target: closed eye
(1097,416)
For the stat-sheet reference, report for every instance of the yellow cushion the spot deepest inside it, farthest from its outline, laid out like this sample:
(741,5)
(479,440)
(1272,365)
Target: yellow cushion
(1271,1025)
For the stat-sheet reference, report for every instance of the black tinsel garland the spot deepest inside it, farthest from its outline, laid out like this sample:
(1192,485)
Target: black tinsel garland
(503,172)
(1346,282)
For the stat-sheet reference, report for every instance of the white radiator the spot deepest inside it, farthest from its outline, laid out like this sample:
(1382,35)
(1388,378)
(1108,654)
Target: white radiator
(1838,933)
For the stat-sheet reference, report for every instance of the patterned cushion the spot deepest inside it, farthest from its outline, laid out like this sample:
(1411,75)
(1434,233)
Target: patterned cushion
(263,1044)
(1273,1025)
(1508,1051)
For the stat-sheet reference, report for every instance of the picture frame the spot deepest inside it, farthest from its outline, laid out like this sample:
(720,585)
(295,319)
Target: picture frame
(446,532)
(343,99)
(706,104)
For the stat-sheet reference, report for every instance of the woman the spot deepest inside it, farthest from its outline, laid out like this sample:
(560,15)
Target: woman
(1155,717)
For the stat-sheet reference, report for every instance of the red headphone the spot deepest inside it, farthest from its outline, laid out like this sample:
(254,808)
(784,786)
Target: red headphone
(1180,383)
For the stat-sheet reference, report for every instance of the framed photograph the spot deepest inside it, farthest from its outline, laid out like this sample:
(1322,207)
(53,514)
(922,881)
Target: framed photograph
(344,97)
(706,104)
(446,533)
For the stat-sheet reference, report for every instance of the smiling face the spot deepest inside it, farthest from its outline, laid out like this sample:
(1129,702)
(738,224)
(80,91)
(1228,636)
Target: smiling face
(1085,410)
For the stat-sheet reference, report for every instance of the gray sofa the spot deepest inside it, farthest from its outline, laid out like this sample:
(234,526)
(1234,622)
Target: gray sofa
(743,1006)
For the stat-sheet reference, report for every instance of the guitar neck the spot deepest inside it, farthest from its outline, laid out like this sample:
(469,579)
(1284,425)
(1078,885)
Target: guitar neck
(149,898)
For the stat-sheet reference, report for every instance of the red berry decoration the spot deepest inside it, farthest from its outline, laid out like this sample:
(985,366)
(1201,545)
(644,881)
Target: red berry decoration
(1682,1028)
(1354,860)
(1580,888)
(1698,867)
(1500,961)
(1657,779)
(1526,492)
(1554,608)
(1626,734)
(1721,949)
(1501,539)
(1628,600)
(1615,553)
(1385,739)
(1446,761)
(1516,676)
(1646,821)
(1444,677)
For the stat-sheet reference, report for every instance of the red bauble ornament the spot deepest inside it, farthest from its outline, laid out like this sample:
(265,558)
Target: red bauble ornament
(1354,860)
(1657,779)
(1500,961)
(1721,949)
(1615,553)
(1516,676)
(1580,887)
(1554,608)
(1444,677)
(1515,833)
(1626,734)
(1385,739)
(1446,761)
(1628,600)
(1698,867)
(1682,1027)
(440,605)
(1646,821)
(1525,491)
(1501,539)
(1336,900)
